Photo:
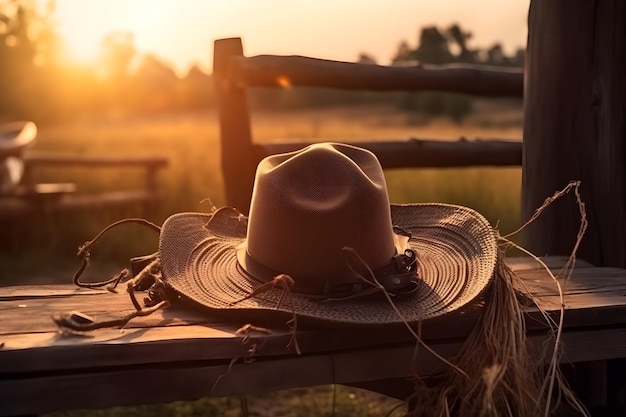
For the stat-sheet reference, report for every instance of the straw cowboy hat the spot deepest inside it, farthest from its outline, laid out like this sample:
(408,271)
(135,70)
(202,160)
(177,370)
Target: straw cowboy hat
(320,219)
(322,244)
(14,138)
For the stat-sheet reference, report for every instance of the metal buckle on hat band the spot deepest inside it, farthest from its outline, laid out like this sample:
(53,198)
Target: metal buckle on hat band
(398,277)
(400,264)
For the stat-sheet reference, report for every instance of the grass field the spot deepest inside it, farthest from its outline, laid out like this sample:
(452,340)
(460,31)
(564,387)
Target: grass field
(322,401)
(191,143)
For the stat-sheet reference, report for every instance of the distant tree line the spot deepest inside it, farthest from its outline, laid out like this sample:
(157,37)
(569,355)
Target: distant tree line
(434,46)
(37,85)
(439,47)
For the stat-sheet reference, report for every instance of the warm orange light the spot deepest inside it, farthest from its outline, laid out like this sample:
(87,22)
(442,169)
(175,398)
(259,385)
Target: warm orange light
(283,81)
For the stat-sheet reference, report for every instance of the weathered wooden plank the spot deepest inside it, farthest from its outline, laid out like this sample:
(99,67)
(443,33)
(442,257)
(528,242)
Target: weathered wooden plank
(282,71)
(162,384)
(149,340)
(105,387)
(33,314)
(12,207)
(109,198)
(42,199)
(20,133)
(29,308)
(45,290)
(185,333)
(425,153)
(40,158)
(589,281)
(555,263)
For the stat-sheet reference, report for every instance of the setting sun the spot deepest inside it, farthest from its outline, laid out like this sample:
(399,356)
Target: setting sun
(84,24)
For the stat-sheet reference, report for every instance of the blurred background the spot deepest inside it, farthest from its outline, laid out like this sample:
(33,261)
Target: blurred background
(133,79)
(67,59)
(121,78)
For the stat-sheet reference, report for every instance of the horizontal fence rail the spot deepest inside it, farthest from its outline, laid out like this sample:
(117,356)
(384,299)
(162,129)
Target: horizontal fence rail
(284,71)
(59,159)
(234,73)
(422,153)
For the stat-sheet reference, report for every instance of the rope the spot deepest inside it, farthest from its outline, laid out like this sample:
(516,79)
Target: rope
(84,253)
(285,282)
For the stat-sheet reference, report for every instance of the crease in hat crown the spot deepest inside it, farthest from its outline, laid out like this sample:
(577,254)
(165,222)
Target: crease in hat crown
(310,204)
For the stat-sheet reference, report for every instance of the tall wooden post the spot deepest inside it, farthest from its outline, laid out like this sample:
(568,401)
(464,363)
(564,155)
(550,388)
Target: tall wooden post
(575,126)
(238,164)
(575,129)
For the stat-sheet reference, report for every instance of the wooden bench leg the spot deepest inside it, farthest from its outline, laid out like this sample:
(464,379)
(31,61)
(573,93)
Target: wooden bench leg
(616,386)
(601,386)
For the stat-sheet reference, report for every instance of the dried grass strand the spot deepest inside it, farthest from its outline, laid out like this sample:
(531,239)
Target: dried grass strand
(67,322)
(503,380)
(84,253)
(356,258)
(285,282)
(554,377)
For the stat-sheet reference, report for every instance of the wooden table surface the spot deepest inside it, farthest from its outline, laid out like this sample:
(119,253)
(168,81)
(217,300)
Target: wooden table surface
(182,353)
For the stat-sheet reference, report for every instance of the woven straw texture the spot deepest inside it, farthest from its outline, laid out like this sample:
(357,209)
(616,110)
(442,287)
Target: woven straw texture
(456,253)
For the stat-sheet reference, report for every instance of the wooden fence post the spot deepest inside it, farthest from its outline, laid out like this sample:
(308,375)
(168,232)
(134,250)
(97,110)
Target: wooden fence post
(238,164)
(575,126)
(575,129)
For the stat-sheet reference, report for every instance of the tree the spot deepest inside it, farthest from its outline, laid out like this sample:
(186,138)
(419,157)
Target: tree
(455,34)
(17,53)
(365,58)
(496,56)
(117,51)
(154,85)
(196,89)
(404,53)
(433,47)
(29,48)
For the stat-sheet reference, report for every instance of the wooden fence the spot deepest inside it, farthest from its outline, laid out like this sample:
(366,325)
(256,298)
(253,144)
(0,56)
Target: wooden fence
(41,199)
(574,90)
(234,73)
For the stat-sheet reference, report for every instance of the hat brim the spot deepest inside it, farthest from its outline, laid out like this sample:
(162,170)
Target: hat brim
(456,252)
(16,136)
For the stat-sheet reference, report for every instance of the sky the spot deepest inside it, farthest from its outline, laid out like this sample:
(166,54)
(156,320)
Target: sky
(181,32)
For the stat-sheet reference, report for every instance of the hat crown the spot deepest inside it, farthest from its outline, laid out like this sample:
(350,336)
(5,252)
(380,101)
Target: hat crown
(308,205)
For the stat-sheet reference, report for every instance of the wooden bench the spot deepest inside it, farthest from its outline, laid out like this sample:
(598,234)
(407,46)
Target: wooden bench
(32,197)
(182,353)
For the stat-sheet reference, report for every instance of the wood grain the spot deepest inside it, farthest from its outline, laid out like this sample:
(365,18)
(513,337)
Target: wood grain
(426,153)
(238,164)
(234,73)
(574,106)
(181,352)
(276,71)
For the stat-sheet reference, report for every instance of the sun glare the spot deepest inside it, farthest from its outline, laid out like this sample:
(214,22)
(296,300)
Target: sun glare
(81,51)
(283,81)
(83,24)
(182,32)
